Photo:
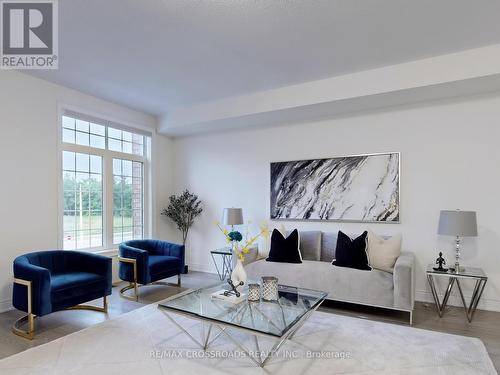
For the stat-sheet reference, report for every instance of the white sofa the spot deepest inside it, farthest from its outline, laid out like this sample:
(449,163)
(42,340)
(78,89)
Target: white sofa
(394,291)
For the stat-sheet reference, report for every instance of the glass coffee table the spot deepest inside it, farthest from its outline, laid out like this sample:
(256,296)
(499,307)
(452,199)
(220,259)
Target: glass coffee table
(278,320)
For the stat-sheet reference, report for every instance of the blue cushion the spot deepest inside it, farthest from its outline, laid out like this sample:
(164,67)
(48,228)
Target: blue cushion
(70,285)
(160,264)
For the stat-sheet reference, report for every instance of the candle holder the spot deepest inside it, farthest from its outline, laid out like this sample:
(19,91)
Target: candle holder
(253,292)
(270,288)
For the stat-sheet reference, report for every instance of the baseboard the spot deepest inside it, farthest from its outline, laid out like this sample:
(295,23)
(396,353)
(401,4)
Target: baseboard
(455,300)
(201,267)
(6,306)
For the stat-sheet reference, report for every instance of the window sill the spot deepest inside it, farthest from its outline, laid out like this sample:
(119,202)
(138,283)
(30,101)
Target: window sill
(107,252)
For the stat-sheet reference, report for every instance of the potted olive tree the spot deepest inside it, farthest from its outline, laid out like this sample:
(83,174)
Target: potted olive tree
(182,210)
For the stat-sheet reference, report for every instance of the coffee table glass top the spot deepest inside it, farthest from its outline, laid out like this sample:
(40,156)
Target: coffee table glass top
(272,318)
(472,272)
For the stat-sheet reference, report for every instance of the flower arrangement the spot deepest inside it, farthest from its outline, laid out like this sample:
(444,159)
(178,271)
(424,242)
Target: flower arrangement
(234,237)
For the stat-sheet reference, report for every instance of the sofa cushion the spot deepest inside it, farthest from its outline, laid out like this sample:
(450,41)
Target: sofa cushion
(159,264)
(310,245)
(283,249)
(341,283)
(328,245)
(383,253)
(65,286)
(351,252)
(264,243)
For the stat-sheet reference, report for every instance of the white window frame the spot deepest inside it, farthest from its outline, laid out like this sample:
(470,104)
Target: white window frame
(107,174)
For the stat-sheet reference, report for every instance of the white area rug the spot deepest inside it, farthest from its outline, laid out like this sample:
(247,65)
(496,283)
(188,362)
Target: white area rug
(145,342)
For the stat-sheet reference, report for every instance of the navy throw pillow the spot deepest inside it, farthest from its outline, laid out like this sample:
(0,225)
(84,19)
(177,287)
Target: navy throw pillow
(284,250)
(351,253)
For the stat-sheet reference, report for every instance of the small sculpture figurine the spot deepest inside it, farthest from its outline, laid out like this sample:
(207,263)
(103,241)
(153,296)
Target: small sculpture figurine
(440,261)
(233,288)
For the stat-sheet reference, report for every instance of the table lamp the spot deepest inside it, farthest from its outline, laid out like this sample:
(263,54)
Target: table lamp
(459,224)
(232,216)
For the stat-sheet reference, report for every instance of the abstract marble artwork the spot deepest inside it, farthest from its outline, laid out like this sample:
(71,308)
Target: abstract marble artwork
(351,188)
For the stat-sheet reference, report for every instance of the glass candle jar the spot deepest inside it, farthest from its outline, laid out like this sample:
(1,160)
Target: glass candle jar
(253,292)
(270,288)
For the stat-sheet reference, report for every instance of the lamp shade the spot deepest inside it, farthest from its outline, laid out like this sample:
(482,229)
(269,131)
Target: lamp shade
(232,216)
(458,223)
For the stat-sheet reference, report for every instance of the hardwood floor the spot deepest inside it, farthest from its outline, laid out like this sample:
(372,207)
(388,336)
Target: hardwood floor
(485,325)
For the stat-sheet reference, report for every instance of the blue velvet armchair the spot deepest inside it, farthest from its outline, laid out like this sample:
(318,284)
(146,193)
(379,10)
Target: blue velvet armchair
(49,281)
(144,262)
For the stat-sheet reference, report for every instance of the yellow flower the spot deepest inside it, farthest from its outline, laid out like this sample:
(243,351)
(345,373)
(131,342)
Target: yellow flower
(243,248)
(264,231)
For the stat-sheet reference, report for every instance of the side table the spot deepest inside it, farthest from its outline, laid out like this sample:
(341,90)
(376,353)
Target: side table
(226,266)
(470,273)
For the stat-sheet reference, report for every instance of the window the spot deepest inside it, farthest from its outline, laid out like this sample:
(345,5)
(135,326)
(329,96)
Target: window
(82,189)
(127,200)
(103,182)
(83,133)
(123,141)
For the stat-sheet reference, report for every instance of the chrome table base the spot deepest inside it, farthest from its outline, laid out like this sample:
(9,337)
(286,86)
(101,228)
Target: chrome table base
(226,266)
(469,309)
(259,357)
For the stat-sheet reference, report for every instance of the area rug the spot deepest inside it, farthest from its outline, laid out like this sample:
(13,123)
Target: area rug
(145,342)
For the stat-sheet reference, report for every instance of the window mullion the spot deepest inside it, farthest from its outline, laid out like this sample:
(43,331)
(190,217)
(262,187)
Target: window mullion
(108,201)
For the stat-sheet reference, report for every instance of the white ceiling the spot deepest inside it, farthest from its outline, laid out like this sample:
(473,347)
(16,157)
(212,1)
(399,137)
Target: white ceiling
(156,55)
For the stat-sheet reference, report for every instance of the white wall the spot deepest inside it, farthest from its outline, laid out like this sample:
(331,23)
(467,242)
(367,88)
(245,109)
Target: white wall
(29,156)
(450,159)
(163,172)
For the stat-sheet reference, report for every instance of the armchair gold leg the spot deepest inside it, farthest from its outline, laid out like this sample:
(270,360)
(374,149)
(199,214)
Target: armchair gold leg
(29,318)
(103,309)
(134,286)
(17,330)
(131,285)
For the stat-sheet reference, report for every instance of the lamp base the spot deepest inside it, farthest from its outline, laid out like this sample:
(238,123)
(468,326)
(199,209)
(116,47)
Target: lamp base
(457,269)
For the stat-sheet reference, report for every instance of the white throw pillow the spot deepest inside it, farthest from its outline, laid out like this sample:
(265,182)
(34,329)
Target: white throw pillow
(264,245)
(383,253)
